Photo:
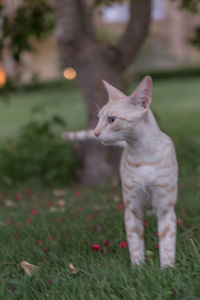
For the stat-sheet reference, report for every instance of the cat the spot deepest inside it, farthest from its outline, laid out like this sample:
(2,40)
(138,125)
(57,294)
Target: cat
(148,167)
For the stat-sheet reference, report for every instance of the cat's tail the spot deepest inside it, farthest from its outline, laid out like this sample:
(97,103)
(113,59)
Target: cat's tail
(81,135)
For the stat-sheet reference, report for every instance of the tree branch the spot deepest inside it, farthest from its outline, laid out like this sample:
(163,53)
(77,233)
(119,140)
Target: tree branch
(135,32)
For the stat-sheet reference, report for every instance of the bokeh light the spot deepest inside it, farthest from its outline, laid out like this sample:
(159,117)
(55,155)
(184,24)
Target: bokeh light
(2,77)
(70,73)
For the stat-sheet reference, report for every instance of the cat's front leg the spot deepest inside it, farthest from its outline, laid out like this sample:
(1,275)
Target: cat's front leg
(167,236)
(165,197)
(135,234)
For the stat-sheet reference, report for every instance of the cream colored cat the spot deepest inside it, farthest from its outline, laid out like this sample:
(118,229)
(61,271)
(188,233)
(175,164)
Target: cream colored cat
(148,166)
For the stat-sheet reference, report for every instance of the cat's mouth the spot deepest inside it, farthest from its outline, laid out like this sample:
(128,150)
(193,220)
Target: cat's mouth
(106,143)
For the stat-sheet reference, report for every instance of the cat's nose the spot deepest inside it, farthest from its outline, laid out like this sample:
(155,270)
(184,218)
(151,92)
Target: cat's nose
(97,133)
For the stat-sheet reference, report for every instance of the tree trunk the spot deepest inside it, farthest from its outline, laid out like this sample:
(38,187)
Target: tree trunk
(94,61)
(99,162)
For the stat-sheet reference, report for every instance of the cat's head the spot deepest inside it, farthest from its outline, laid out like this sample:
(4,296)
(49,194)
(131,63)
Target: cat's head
(120,116)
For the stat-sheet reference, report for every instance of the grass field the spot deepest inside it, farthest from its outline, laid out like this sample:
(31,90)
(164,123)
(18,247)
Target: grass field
(52,231)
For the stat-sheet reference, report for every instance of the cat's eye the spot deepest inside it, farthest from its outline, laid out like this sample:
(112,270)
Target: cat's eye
(111,119)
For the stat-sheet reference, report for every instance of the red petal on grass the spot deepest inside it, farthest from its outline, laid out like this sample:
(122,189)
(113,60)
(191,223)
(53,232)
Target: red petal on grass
(18,197)
(121,207)
(51,238)
(34,211)
(98,229)
(145,223)
(107,243)
(9,222)
(50,280)
(13,289)
(96,247)
(80,208)
(45,250)
(157,246)
(90,217)
(77,194)
(29,192)
(28,221)
(174,293)
(179,221)
(123,244)
(192,254)
(39,242)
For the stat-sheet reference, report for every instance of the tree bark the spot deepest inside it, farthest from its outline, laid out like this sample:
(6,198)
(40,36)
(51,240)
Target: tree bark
(99,162)
(94,61)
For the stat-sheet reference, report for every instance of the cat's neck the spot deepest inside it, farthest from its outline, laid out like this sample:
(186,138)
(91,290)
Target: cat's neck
(146,134)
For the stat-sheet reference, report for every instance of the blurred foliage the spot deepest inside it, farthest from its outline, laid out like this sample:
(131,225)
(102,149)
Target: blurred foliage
(196,39)
(38,155)
(32,19)
(192,5)
(35,19)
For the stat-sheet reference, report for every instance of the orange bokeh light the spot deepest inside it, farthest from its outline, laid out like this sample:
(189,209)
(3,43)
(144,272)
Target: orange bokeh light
(2,77)
(70,73)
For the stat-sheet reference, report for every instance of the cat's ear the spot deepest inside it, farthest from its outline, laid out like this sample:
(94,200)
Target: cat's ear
(142,95)
(113,93)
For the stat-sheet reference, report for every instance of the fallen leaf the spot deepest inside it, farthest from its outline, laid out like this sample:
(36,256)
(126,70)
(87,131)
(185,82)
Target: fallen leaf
(28,268)
(96,207)
(117,199)
(72,268)
(53,209)
(9,203)
(61,203)
(59,193)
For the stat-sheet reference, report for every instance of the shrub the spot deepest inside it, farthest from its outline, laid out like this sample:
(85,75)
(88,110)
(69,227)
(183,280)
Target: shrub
(38,154)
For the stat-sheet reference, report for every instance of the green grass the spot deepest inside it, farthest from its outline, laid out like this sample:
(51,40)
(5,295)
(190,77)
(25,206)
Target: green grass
(94,216)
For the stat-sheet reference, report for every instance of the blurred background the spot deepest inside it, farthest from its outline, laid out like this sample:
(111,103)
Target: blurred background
(53,55)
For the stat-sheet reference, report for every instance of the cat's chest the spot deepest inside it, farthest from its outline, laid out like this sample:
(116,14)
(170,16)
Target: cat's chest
(140,168)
